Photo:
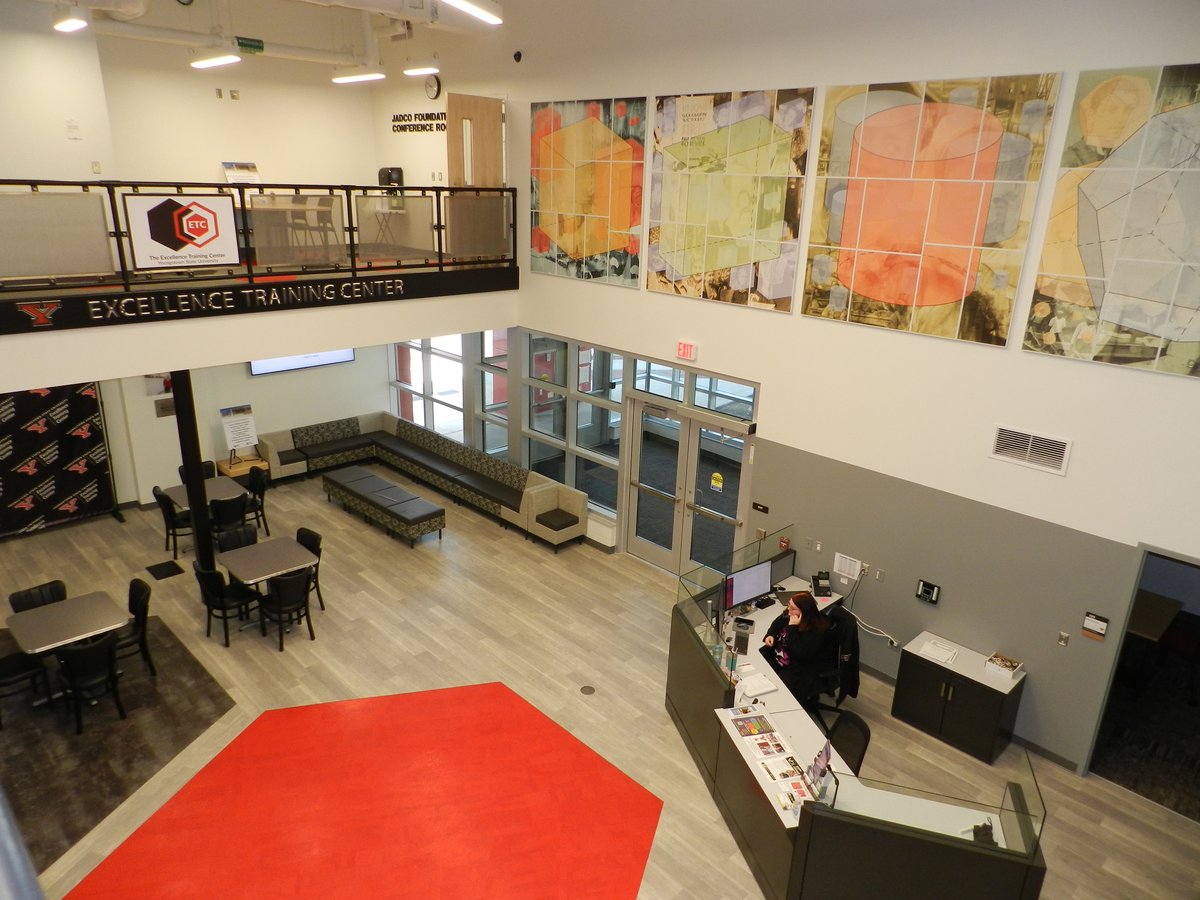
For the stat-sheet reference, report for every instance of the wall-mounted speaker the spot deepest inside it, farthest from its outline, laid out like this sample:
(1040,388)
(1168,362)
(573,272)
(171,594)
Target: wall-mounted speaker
(392,176)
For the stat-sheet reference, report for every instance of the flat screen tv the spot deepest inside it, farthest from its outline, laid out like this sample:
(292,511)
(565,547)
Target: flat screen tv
(303,361)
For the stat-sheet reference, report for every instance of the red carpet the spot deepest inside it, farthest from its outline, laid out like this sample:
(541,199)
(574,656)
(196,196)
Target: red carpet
(458,793)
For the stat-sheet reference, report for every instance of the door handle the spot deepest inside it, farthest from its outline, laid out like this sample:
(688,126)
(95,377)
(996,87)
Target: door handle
(950,695)
(941,689)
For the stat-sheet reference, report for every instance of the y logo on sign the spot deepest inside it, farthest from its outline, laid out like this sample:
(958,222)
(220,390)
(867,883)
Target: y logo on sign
(41,311)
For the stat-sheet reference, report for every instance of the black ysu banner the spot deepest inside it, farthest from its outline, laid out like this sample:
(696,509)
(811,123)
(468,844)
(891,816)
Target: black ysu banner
(54,464)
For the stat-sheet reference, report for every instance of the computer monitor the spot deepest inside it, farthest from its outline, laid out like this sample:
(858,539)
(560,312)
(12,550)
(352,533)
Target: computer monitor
(747,584)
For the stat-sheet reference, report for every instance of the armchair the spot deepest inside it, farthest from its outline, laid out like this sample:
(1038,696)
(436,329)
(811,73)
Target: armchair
(557,513)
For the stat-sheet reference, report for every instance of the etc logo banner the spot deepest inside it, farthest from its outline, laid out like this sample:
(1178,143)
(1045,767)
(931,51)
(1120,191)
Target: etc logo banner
(183,230)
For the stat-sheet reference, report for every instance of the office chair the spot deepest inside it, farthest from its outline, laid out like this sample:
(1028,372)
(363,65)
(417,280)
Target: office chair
(850,736)
(838,677)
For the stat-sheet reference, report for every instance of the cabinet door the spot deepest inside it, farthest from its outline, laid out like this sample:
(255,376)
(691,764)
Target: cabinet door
(972,717)
(920,694)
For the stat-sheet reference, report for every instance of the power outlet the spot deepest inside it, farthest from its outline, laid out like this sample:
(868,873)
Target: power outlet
(1063,637)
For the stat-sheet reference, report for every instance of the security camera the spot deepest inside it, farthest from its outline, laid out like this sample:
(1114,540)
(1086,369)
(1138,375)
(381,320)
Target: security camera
(517,56)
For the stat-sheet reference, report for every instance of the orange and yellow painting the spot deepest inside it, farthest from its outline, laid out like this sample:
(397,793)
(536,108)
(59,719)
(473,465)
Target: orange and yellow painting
(1119,278)
(587,159)
(924,195)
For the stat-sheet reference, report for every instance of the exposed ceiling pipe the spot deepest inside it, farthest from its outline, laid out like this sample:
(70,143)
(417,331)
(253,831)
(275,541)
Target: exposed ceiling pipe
(197,39)
(124,10)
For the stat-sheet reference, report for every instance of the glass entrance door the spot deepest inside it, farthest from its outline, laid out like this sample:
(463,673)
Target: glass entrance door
(685,491)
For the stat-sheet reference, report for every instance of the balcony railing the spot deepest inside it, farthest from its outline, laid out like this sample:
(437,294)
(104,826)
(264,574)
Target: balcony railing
(58,237)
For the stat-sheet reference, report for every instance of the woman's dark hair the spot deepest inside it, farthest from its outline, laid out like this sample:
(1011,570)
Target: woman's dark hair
(810,616)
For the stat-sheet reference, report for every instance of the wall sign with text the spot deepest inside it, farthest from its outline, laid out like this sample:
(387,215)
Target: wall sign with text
(170,231)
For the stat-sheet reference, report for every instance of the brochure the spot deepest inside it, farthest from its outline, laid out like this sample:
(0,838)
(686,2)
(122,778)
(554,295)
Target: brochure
(782,768)
(770,744)
(748,725)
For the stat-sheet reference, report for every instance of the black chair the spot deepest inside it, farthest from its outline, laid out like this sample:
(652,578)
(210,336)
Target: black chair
(20,672)
(838,675)
(311,541)
(256,505)
(850,736)
(207,467)
(238,536)
(87,672)
(226,514)
(131,638)
(224,601)
(39,595)
(176,521)
(286,602)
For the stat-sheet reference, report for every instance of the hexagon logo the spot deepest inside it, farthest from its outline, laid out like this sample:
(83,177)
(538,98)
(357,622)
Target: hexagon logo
(177,225)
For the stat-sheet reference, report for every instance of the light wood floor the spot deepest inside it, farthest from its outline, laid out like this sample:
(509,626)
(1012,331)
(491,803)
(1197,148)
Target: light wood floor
(484,605)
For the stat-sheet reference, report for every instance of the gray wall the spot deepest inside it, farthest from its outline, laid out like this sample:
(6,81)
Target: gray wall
(1009,582)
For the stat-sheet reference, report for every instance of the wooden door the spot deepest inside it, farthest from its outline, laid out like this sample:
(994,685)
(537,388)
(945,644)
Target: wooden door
(474,141)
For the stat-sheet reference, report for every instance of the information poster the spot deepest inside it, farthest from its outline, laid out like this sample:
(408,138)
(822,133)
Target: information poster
(238,422)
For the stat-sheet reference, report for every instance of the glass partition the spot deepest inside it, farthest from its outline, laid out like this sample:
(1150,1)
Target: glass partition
(1012,823)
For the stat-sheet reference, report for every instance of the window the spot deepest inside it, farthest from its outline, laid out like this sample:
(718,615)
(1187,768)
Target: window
(492,408)
(655,378)
(428,384)
(730,398)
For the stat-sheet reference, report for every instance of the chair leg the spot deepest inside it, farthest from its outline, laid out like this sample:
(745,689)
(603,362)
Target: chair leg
(225,622)
(117,698)
(78,704)
(266,527)
(317,588)
(281,634)
(312,635)
(145,648)
(208,630)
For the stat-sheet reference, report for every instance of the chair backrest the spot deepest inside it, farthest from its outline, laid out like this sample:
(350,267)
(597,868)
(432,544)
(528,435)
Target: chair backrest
(139,603)
(212,583)
(88,665)
(171,514)
(208,469)
(39,595)
(850,736)
(227,513)
(256,481)
(310,540)
(290,591)
(239,536)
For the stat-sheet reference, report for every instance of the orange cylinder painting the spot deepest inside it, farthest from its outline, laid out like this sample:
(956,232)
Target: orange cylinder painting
(917,198)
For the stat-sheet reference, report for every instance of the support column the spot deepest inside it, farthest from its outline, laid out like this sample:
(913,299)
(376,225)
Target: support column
(193,475)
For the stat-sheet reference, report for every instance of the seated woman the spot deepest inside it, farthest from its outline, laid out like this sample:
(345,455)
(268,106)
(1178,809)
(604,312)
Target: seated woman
(794,646)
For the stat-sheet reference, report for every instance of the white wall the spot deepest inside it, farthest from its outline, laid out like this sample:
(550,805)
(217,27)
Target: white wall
(920,409)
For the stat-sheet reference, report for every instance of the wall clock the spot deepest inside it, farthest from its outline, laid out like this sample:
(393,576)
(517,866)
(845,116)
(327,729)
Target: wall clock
(433,87)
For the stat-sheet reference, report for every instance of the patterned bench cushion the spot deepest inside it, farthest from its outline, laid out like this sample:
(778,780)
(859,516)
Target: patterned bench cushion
(337,429)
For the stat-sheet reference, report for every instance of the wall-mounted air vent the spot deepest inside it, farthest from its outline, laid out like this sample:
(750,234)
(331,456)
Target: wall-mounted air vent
(1039,451)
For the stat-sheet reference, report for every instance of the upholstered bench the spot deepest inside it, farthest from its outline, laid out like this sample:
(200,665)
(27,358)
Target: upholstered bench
(379,500)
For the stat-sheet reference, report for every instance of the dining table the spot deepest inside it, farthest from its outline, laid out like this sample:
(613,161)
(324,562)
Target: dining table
(266,559)
(222,487)
(54,625)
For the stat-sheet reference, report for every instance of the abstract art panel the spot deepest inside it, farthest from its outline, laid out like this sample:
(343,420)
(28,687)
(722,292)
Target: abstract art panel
(924,196)
(587,159)
(726,193)
(1119,280)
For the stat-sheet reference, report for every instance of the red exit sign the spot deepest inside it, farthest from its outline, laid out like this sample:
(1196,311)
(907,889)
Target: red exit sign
(685,350)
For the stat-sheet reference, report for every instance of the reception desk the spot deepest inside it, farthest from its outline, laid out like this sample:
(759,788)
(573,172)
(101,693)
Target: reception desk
(917,843)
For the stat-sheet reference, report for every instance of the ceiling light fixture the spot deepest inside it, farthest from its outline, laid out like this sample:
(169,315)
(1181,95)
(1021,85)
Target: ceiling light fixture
(484,10)
(69,18)
(422,69)
(355,74)
(211,57)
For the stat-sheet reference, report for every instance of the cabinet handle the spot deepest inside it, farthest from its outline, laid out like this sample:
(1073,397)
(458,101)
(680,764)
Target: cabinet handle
(941,689)
(950,696)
